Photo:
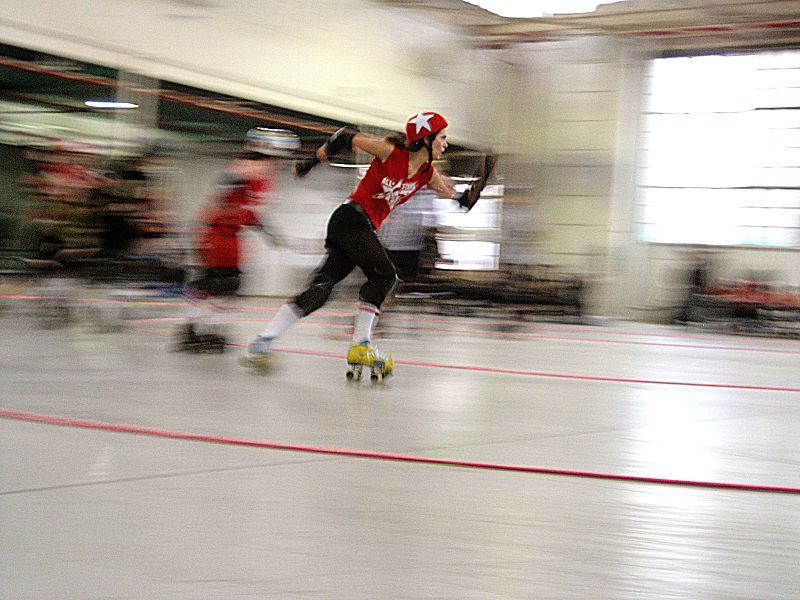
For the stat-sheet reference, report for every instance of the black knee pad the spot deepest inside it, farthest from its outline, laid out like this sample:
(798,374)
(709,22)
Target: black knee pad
(314,297)
(378,288)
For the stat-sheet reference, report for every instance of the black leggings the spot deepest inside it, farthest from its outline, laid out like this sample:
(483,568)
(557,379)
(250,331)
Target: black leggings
(351,242)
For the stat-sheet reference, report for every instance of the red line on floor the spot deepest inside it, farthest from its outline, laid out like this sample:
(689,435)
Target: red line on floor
(733,386)
(11,414)
(530,373)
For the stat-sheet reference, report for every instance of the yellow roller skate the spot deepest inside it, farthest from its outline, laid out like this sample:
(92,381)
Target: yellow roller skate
(366,355)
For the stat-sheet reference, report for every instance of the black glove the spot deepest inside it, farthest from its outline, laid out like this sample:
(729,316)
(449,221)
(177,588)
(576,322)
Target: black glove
(300,168)
(470,196)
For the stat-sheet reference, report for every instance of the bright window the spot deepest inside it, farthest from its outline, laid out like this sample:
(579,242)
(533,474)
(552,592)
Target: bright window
(721,151)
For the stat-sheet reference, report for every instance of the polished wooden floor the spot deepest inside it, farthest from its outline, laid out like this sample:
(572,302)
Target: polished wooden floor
(654,462)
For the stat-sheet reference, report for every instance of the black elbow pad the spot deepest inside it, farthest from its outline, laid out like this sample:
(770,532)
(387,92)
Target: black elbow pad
(341,140)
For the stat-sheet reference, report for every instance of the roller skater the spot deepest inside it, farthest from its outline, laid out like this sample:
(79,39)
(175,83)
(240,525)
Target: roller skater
(248,179)
(402,165)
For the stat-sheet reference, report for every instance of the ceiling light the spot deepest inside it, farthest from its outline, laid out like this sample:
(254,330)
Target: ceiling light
(537,8)
(110,104)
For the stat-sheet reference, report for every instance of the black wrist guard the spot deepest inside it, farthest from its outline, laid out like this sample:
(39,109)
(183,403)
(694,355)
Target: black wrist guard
(470,196)
(300,168)
(485,170)
(341,140)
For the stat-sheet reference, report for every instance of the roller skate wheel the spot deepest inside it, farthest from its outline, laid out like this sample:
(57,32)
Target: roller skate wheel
(354,373)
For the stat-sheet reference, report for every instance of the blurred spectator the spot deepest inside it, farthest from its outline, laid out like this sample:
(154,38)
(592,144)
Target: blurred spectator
(405,232)
(65,191)
(133,208)
(696,283)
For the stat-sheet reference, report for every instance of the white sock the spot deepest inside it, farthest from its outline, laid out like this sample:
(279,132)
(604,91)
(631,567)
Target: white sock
(287,315)
(366,317)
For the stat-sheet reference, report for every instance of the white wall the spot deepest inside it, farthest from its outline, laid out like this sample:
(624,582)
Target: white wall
(568,127)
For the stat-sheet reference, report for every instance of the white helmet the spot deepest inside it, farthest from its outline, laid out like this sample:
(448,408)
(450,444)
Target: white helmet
(272,142)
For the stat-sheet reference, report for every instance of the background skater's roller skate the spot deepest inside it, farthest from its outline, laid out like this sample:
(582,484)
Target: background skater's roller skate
(367,355)
(258,355)
(200,343)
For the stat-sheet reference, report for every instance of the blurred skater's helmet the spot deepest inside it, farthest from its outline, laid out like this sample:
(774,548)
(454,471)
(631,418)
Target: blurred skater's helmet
(272,142)
(424,124)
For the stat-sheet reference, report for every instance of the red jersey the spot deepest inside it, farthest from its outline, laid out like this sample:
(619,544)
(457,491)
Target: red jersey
(386,185)
(220,224)
(246,192)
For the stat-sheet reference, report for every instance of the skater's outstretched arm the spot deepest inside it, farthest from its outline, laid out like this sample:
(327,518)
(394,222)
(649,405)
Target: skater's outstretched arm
(380,148)
(345,139)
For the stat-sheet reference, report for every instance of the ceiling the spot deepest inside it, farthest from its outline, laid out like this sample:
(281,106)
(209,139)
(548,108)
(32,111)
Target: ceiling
(664,25)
